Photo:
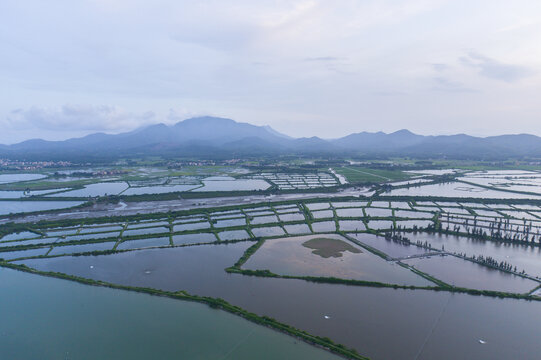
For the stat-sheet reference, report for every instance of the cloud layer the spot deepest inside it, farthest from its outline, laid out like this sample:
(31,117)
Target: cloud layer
(307,67)
(78,117)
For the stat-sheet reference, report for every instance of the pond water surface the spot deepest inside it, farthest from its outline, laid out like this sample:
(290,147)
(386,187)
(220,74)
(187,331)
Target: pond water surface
(8,207)
(524,257)
(295,256)
(463,273)
(88,322)
(379,323)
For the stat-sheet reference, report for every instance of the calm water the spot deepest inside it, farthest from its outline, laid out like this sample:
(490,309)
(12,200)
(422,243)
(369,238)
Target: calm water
(318,206)
(73,249)
(46,318)
(230,184)
(288,256)
(524,257)
(323,214)
(193,238)
(11,178)
(380,323)
(264,220)
(353,212)
(527,182)
(463,273)
(391,248)
(230,222)
(458,189)
(29,242)
(297,229)
(24,253)
(192,226)
(143,243)
(324,226)
(20,236)
(8,207)
(145,231)
(411,223)
(351,225)
(268,231)
(158,189)
(380,224)
(233,235)
(99,189)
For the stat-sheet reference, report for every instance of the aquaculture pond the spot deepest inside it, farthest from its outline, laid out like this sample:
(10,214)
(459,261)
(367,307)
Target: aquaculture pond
(527,182)
(392,248)
(351,225)
(73,249)
(193,238)
(13,207)
(233,235)
(422,324)
(268,231)
(24,253)
(87,322)
(457,189)
(231,184)
(17,194)
(19,236)
(324,226)
(29,242)
(524,257)
(143,243)
(351,212)
(463,273)
(158,189)
(297,229)
(98,189)
(328,255)
(12,178)
(380,224)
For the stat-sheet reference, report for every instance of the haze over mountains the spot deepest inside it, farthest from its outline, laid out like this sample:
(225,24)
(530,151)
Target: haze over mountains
(218,137)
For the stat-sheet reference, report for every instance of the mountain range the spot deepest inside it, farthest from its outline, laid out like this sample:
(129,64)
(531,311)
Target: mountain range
(212,137)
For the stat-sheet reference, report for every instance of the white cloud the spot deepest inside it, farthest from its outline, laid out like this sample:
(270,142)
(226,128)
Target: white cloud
(494,69)
(78,117)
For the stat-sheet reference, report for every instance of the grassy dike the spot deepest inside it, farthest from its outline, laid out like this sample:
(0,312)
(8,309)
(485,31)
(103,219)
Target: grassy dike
(217,303)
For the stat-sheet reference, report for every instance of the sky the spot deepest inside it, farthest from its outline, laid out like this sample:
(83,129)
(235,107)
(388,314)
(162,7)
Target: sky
(306,68)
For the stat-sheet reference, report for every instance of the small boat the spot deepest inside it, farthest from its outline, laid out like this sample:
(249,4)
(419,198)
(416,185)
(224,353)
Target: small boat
(326,317)
(482,341)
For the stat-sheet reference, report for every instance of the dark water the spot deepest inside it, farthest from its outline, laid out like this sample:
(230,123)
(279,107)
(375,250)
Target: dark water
(46,318)
(380,323)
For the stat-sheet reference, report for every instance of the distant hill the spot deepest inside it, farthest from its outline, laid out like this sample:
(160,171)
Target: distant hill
(212,137)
